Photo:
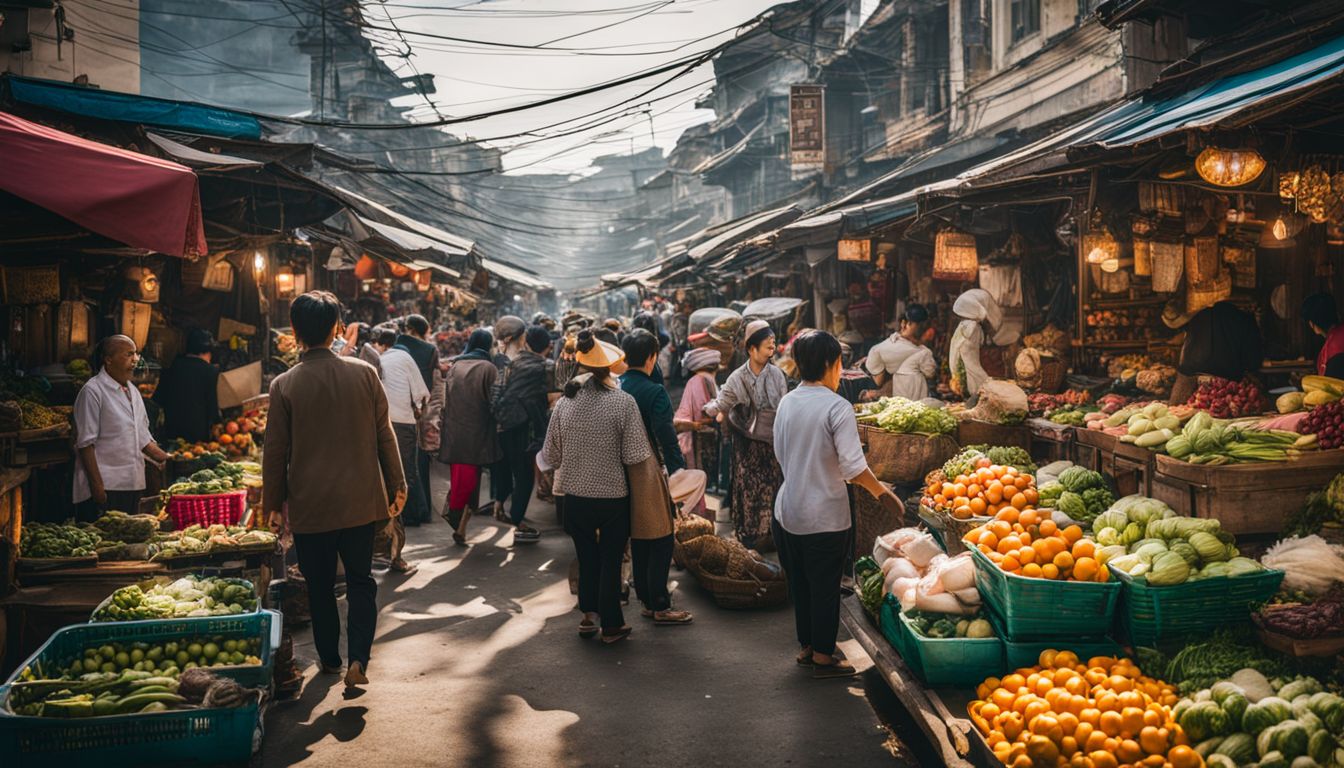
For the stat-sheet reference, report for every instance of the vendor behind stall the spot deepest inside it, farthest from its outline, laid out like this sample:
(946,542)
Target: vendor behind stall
(902,365)
(975,308)
(188,391)
(1322,316)
(111,435)
(1220,341)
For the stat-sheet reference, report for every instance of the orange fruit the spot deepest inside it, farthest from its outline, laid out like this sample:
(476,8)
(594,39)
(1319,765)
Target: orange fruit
(1184,757)
(1032,495)
(983,462)
(987,539)
(959,488)
(1090,716)
(1032,571)
(1128,751)
(973,489)
(1048,527)
(962,512)
(1012,683)
(978,506)
(994,493)
(1010,563)
(1064,561)
(1026,555)
(1073,533)
(1009,543)
(1084,548)
(1102,759)
(1084,569)
(1103,574)
(1003,699)
(1131,722)
(1001,528)
(1152,741)
(1028,517)
(1050,571)
(1096,741)
(1111,723)
(1019,501)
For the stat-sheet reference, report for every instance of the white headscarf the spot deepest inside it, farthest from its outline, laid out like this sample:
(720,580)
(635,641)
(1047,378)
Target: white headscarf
(974,306)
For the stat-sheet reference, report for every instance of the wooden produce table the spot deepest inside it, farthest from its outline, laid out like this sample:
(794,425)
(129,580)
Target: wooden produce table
(1050,442)
(1131,466)
(939,713)
(30,615)
(1248,499)
(904,459)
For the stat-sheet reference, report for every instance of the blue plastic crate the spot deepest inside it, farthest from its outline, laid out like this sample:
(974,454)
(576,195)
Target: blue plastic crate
(178,737)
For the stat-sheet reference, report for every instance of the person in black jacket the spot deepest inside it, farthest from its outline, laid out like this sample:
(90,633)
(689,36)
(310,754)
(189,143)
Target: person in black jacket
(426,356)
(651,559)
(520,408)
(188,391)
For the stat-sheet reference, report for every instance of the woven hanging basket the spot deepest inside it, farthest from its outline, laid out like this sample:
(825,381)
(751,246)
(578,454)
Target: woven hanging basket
(1168,265)
(1143,257)
(1201,259)
(955,257)
(1203,295)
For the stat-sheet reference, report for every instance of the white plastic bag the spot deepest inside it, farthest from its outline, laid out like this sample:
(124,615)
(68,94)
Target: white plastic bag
(904,568)
(944,602)
(958,573)
(921,550)
(905,591)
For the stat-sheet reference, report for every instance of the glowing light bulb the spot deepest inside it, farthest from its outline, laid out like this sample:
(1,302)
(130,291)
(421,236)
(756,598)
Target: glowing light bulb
(258,262)
(1280,229)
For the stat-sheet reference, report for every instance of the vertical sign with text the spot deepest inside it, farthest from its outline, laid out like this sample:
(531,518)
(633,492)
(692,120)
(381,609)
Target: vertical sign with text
(807,128)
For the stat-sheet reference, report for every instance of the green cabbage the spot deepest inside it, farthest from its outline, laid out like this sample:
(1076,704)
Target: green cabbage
(1078,479)
(1321,747)
(1168,568)
(1186,551)
(1273,759)
(1221,761)
(1330,708)
(1108,537)
(1132,533)
(1243,566)
(1291,739)
(1149,551)
(1208,546)
(1111,518)
(1072,505)
(1223,689)
(1049,493)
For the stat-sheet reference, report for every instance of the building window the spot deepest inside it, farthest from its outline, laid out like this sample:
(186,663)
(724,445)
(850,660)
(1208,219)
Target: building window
(1025,17)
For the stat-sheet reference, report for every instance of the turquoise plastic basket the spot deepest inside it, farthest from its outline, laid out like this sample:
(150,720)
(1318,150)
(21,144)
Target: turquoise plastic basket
(1017,655)
(176,737)
(889,620)
(1152,615)
(1043,609)
(953,661)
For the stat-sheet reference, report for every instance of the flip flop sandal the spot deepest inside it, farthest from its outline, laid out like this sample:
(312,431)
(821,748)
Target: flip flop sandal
(587,629)
(837,668)
(672,618)
(403,567)
(459,539)
(502,516)
(526,537)
(616,636)
(804,658)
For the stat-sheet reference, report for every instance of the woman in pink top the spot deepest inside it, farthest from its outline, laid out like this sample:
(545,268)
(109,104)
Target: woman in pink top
(689,418)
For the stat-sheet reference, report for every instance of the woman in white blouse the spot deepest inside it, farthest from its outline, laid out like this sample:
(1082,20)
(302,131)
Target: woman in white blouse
(747,402)
(904,359)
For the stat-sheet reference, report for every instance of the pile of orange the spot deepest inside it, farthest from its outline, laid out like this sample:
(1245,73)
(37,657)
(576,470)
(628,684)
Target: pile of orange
(984,491)
(1064,713)
(1028,543)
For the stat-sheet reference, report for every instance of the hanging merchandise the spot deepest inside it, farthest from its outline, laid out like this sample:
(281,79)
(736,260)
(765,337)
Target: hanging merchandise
(1099,244)
(955,257)
(1229,167)
(1200,295)
(1143,257)
(1168,265)
(1004,283)
(1240,257)
(1201,259)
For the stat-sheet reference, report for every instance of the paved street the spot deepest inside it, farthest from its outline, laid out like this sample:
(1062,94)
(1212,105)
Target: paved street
(478,663)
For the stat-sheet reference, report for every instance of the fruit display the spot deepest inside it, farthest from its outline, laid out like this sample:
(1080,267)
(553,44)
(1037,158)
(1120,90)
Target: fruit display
(1326,422)
(186,597)
(1321,390)
(42,540)
(1148,426)
(1250,719)
(1070,415)
(1080,493)
(232,439)
(983,491)
(117,679)
(198,540)
(1226,399)
(1101,713)
(1112,402)
(114,526)
(1110,325)
(968,459)
(228,476)
(1041,404)
(1145,540)
(1029,543)
(896,414)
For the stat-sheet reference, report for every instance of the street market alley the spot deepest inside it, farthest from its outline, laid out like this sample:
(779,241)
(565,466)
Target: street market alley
(478,663)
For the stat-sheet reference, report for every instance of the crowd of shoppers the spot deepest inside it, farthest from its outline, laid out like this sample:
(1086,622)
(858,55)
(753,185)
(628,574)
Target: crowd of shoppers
(578,412)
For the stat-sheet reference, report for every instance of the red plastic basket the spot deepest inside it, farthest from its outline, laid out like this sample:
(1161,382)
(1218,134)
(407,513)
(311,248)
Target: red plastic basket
(221,508)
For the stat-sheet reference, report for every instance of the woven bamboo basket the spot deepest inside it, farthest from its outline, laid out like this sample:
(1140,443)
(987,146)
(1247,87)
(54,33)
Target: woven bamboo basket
(1202,295)
(1168,265)
(1241,258)
(1143,257)
(1053,373)
(1202,259)
(741,593)
(1110,282)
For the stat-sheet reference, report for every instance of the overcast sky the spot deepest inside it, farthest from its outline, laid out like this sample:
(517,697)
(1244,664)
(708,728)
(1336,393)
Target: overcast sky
(473,78)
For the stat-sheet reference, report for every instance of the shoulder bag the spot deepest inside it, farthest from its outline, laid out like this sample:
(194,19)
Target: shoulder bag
(752,422)
(651,507)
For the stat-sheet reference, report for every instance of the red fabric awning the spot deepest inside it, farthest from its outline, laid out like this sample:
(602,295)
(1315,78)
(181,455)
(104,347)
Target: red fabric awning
(142,201)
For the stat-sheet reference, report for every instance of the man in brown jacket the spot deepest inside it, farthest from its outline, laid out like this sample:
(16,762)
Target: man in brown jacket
(330,467)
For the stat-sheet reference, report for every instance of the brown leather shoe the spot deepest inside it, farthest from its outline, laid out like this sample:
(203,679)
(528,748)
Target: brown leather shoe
(355,676)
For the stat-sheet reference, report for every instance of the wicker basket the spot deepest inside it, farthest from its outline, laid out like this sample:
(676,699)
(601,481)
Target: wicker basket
(1143,257)
(207,510)
(741,593)
(902,458)
(1201,295)
(1053,373)
(1110,282)
(1241,258)
(949,531)
(1168,265)
(1202,259)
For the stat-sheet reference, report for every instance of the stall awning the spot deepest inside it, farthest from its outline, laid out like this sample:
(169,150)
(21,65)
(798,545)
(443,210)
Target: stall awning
(142,201)
(370,211)
(728,154)
(743,228)
(1146,119)
(421,264)
(184,116)
(198,159)
(513,274)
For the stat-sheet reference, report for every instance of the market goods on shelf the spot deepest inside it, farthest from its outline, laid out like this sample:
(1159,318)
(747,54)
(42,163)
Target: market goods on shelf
(127,529)
(896,414)
(1070,415)
(189,596)
(940,626)
(1080,493)
(47,540)
(1316,390)
(198,540)
(1007,455)
(1228,399)
(1326,422)
(1101,712)
(1041,403)
(922,577)
(1144,539)
(1305,617)
(985,490)
(1205,440)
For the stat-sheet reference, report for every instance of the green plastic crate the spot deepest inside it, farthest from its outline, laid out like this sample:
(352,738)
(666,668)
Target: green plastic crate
(1044,609)
(953,661)
(1026,653)
(178,737)
(1152,615)
(69,642)
(891,624)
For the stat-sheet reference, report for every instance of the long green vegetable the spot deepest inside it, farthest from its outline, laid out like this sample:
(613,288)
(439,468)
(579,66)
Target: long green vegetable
(1200,665)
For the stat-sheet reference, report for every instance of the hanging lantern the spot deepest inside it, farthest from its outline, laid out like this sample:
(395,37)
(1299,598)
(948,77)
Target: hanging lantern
(1110,266)
(284,283)
(1229,167)
(1099,246)
(955,257)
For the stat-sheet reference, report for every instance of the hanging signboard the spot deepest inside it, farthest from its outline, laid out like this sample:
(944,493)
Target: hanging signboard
(807,127)
(854,250)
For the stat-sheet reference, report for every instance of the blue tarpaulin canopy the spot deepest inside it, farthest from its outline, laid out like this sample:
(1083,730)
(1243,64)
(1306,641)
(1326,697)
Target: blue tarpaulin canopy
(183,116)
